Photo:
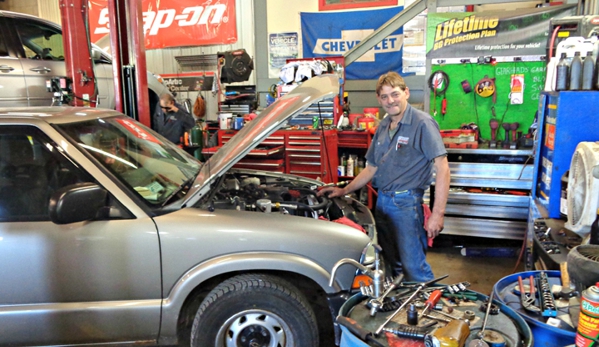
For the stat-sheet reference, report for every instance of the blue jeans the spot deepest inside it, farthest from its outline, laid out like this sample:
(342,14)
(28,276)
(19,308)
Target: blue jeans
(401,234)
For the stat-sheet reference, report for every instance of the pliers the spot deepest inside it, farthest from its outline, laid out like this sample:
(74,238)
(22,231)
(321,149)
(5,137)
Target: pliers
(528,300)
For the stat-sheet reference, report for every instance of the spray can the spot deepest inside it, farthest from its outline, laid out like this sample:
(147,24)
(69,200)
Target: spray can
(576,72)
(350,167)
(561,76)
(588,71)
(588,323)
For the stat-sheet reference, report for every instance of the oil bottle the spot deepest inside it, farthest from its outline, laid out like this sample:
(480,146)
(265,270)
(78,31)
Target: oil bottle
(561,79)
(588,71)
(576,72)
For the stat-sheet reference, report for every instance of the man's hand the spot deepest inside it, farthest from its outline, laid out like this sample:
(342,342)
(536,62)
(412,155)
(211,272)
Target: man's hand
(434,225)
(174,108)
(333,192)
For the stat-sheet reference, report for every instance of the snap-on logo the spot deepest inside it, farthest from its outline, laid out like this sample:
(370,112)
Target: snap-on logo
(156,20)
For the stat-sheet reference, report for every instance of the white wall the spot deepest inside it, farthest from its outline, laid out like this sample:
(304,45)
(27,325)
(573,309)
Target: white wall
(21,6)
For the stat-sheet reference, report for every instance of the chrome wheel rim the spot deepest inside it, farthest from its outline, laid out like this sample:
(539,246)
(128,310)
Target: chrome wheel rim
(253,328)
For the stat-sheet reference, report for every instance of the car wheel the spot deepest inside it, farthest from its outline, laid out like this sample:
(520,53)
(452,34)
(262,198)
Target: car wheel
(254,310)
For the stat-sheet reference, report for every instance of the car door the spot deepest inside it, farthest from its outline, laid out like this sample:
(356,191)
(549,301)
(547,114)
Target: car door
(87,282)
(42,57)
(13,91)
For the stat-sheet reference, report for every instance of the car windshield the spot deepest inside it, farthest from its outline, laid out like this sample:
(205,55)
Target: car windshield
(153,167)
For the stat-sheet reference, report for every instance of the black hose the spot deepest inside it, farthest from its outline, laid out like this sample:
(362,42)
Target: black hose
(320,205)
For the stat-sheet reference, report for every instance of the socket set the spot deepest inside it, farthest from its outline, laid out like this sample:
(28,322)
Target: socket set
(548,308)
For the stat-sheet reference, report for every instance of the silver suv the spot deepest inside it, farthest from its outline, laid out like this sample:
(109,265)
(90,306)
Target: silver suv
(109,233)
(31,52)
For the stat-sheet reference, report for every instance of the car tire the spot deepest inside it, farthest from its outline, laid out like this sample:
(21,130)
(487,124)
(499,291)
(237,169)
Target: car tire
(255,310)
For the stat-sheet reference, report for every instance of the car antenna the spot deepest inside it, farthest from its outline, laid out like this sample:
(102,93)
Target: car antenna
(210,200)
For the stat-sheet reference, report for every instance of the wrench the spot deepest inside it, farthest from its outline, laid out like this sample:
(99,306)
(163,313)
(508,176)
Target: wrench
(528,300)
(377,303)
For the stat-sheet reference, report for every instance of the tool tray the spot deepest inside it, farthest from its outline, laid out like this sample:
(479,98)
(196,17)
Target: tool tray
(507,322)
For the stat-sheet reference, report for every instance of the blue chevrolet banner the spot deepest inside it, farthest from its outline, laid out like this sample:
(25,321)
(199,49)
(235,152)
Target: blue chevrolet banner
(334,33)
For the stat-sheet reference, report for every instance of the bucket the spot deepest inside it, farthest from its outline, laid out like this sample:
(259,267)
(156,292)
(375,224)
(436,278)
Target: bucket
(372,111)
(365,123)
(224,120)
(545,335)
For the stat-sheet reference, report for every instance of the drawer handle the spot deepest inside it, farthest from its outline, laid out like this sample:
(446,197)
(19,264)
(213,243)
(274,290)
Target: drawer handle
(304,163)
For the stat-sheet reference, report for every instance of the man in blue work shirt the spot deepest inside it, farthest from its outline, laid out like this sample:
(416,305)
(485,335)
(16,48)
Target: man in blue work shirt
(406,147)
(170,120)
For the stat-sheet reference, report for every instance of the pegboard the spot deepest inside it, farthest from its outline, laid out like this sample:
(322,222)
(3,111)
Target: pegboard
(467,108)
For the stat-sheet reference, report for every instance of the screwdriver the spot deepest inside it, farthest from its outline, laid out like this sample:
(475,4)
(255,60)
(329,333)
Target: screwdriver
(432,300)
(358,330)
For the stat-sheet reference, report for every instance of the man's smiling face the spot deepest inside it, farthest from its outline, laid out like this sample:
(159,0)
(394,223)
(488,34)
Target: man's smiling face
(393,100)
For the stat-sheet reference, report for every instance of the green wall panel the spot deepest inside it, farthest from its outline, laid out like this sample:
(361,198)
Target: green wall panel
(467,108)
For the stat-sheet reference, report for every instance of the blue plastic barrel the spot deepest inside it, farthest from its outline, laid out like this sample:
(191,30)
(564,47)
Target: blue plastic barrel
(544,335)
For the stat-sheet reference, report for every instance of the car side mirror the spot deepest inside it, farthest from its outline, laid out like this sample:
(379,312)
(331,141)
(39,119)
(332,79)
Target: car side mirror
(77,203)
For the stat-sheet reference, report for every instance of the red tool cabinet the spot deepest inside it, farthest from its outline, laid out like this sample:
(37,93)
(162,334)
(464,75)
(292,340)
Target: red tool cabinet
(308,153)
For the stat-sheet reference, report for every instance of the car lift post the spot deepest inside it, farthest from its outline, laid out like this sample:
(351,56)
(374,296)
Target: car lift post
(128,51)
(77,52)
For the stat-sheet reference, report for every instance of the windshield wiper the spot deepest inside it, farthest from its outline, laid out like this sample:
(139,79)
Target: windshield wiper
(185,184)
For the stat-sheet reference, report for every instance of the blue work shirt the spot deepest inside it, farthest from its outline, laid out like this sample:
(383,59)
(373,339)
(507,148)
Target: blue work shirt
(405,161)
(172,125)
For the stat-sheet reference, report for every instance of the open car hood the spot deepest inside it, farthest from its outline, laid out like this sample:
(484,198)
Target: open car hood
(255,131)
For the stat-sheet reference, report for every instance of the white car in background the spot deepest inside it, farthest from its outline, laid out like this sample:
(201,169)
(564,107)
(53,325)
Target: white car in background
(31,52)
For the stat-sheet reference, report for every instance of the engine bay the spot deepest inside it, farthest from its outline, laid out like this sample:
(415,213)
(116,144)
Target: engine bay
(271,193)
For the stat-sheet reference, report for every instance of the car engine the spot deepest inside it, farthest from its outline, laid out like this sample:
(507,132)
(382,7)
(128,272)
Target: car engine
(268,193)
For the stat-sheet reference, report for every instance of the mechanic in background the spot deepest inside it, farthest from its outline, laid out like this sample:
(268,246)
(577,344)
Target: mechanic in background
(404,150)
(170,120)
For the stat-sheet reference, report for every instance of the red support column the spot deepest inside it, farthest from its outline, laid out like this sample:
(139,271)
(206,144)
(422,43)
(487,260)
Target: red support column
(127,45)
(77,51)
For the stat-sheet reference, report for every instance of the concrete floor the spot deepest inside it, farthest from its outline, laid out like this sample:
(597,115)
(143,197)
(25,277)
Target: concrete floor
(481,272)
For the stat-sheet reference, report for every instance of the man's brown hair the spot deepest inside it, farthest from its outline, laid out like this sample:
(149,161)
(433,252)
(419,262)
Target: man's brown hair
(166,97)
(392,79)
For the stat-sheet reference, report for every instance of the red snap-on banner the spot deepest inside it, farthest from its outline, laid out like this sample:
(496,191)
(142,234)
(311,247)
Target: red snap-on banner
(175,23)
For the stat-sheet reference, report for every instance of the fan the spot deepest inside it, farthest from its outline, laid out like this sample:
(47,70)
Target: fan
(583,266)
(583,188)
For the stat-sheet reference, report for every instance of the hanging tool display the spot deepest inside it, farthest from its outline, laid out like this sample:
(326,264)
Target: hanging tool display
(438,83)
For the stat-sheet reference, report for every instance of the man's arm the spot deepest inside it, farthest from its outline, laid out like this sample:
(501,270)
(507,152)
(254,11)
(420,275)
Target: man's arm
(358,182)
(435,222)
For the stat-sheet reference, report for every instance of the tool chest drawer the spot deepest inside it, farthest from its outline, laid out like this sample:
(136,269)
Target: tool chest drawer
(489,192)
(354,139)
(308,153)
(272,165)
